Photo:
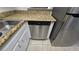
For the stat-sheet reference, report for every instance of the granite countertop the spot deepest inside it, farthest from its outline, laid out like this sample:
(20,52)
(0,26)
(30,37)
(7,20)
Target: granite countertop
(31,16)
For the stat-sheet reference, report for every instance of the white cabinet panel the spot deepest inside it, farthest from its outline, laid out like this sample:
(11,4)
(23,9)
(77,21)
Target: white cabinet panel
(24,40)
(23,43)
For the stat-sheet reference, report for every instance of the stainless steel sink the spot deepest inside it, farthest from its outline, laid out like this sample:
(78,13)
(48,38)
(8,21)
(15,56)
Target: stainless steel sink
(1,34)
(5,26)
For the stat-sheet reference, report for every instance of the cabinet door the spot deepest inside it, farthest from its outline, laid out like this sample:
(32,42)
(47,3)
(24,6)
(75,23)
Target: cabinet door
(26,41)
(23,43)
(23,40)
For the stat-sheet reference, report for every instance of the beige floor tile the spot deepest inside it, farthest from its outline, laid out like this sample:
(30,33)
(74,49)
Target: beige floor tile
(35,48)
(45,48)
(36,42)
(56,49)
(39,45)
(45,45)
(63,49)
(46,42)
(71,48)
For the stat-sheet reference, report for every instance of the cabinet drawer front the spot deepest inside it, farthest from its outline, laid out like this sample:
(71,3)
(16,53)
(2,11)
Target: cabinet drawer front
(24,37)
(18,47)
(25,34)
(24,40)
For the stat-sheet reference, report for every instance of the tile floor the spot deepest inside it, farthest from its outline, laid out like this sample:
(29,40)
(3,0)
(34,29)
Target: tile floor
(44,45)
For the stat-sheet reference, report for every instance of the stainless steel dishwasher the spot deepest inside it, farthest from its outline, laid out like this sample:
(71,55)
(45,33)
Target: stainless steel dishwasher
(39,29)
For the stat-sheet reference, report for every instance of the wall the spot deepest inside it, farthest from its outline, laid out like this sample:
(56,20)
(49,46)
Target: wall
(3,9)
(50,7)
(22,8)
(25,8)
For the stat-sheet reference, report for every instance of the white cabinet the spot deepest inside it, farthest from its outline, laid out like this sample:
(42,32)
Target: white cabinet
(19,40)
(18,47)
(22,42)
(50,29)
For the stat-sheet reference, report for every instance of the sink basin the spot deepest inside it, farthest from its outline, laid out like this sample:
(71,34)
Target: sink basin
(1,34)
(6,26)
(12,22)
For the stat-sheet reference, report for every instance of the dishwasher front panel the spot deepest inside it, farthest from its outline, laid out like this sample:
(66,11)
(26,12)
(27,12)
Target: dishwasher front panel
(34,31)
(39,30)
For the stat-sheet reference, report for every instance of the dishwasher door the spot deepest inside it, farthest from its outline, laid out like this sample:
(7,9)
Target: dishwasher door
(39,30)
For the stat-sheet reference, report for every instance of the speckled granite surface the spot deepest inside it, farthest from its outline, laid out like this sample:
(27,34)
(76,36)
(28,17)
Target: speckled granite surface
(5,14)
(31,16)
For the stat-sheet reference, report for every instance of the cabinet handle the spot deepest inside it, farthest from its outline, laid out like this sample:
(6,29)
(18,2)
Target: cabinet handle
(22,40)
(19,46)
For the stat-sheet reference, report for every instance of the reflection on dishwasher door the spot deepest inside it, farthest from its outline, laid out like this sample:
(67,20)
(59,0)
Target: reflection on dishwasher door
(43,31)
(35,31)
(39,30)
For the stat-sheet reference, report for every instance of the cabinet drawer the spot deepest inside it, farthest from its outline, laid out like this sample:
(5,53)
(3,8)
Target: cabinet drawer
(25,35)
(24,40)
(18,47)
(25,43)
(22,45)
